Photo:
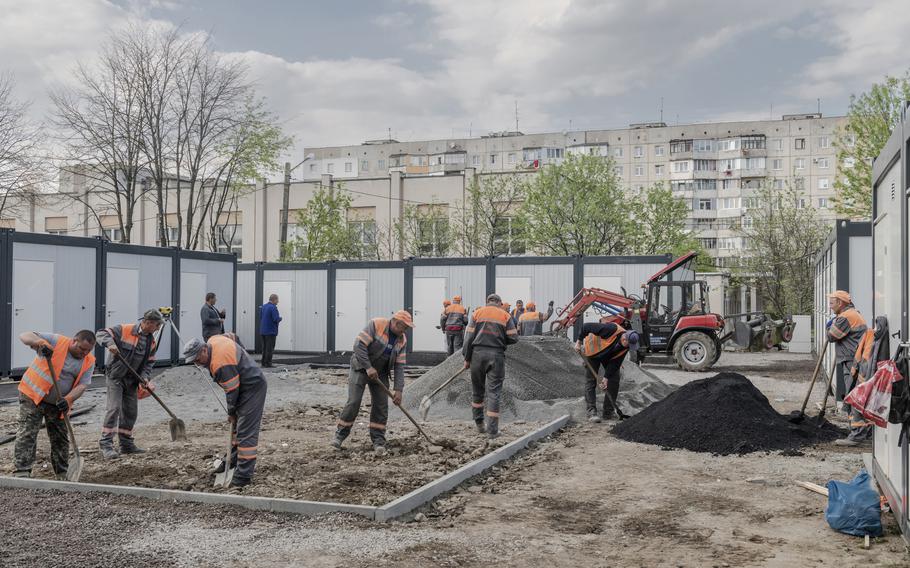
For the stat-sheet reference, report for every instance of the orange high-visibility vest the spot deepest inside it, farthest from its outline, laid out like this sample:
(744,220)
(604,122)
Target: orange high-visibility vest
(37,382)
(529,316)
(128,338)
(595,344)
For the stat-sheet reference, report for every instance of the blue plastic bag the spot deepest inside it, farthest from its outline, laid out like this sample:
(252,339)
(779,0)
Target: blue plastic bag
(854,506)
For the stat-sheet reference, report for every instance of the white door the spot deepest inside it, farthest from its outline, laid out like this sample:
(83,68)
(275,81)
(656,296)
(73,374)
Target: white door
(246,306)
(285,291)
(512,288)
(350,312)
(608,283)
(310,334)
(192,297)
(122,296)
(33,304)
(428,296)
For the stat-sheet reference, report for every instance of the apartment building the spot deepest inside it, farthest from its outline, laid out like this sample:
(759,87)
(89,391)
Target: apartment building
(714,167)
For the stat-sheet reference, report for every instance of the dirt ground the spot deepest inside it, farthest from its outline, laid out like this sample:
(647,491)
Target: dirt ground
(582,498)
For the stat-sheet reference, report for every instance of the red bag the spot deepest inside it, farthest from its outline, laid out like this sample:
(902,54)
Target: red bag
(873,398)
(145,392)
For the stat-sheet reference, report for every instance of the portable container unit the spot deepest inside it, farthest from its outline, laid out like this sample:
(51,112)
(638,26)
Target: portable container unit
(52,284)
(302,303)
(200,273)
(137,279)
(434,280)
(247,307)
(843,263)
(362,291)
(890,297)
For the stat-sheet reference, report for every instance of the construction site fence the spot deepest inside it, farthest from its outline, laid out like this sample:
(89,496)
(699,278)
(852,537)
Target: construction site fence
(62,284)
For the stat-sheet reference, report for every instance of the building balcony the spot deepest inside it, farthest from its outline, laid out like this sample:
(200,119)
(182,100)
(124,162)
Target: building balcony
(755,153)
(684,155)
(445,168)
(705,174)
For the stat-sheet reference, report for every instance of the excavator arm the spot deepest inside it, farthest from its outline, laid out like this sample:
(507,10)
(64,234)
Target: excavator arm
(603,301)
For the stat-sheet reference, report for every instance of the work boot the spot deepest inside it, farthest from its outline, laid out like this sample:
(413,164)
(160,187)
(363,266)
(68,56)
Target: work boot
(592,415)
(220,468)
(481,429)
(608,414)
(128,446)
(107,449)
(379,450)
(338,440)
(60,476)
(23,473)
(240,481)
(492,427)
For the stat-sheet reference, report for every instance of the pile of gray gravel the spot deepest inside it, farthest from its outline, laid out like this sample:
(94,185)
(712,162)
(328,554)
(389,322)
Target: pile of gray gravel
(545,379)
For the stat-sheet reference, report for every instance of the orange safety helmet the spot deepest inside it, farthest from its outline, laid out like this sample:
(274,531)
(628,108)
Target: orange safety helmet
(404,317)
(531,306)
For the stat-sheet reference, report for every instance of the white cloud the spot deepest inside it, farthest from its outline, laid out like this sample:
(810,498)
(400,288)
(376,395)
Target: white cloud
(394,20)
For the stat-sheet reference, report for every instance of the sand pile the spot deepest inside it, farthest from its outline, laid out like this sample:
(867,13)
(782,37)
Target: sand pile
(545,379)
(723,414)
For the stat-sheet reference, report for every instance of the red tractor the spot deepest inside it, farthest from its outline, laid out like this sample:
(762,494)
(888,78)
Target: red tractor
(674,318)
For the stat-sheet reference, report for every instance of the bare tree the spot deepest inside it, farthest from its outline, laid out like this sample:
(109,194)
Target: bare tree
(22,171)
(489,220)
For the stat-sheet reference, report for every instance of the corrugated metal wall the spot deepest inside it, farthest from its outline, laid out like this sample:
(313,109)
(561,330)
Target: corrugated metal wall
(246,307)
(154,277)
(467,281)
(198,277)
(632,276)
(302,304)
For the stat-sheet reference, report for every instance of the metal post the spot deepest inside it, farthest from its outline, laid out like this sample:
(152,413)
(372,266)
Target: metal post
(285,204)
(409,298)
(330,307)
(258,290)
(6,299)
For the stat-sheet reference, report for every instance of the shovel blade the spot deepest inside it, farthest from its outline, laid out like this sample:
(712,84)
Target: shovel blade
(796,417)
(74,471)
(178,430)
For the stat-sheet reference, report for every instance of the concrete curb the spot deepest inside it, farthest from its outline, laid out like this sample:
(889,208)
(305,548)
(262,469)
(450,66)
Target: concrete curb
(387,512)
(257,503)
(431,490)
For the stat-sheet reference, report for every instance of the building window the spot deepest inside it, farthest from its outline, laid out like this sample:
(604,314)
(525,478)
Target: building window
(680,146)
(638,152)
(230,238)
(824,142)
(801,203)
(508,237)
(617,151)
(849,162)
(312,168)
(777,164)
(511,157)
(433,232)
(619,170)
(680,166)
(709,243)
(705,204)
(658,150)
(55,225)
(799,183)
(800,163)
(113,235)
(704,145)
(365,165)
(729,184)
(364,233)
(778,144)
(799,144)
(823,163)
(753,163)
(554,153)
(684,185)
(704,184)
(851,140)
(728,145)
(753,142)
(380,164)
(822,202)
(330,168)
(348,167)
(659,170)
(729,203)
(492,158)
(778,183)
(823,183)
(639,171)
(475,160)
(705,165)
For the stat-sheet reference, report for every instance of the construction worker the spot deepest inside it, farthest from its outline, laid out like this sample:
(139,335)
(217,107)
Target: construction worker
(244,391)
(490,331)
(531,322)
(507,307)
(379,352)
(845,330)
(73,365)
(132,355)
(518,311)
(453,321)
(269,318)
(442,326)
(604,345)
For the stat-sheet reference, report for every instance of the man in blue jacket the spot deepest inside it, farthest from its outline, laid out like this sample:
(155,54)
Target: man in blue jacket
(268,328)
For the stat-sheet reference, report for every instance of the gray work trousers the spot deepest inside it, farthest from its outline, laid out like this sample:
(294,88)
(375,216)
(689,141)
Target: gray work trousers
(250,406)
(122,410)
(27,436)
(454,341)
(488,371)
(358,382)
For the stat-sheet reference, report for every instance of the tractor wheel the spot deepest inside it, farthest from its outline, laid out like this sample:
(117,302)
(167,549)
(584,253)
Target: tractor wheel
(787,334)
(694,351)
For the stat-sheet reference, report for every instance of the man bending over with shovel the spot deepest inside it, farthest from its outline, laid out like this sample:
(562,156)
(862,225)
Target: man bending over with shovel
(604,344)
(379,352)
(73,364)
(244,389)
(132,349)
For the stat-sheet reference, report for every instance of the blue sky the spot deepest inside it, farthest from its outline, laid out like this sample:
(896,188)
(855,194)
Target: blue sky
(345,71)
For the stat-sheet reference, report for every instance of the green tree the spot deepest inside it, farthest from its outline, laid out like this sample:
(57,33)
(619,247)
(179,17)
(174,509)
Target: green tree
(322,231)
(870,119)
(578,207)
(782,239)
(659,226)
(424,231)
(489,221)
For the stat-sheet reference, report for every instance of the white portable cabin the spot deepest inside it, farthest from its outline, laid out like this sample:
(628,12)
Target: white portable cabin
(890,278)
(362,291)
(201,273)
(302,302)
(436,279)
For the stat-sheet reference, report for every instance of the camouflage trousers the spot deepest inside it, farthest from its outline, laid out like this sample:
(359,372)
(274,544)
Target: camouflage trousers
(30,417)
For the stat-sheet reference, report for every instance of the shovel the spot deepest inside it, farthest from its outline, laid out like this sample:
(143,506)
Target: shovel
(74,471)
(607,396)
(175,425)
(445,443)
(427,401)
(829,379)
(798,417)
(223,479)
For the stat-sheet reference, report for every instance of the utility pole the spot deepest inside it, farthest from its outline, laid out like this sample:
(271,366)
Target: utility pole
(516,116)
(285,204)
